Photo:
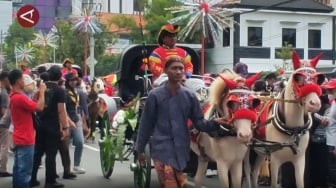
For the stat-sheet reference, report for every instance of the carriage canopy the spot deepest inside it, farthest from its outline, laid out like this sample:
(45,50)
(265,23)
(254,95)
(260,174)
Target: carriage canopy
(130,71)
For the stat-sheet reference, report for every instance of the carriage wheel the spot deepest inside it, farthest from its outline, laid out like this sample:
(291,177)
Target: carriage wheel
(107,155)
(142,176)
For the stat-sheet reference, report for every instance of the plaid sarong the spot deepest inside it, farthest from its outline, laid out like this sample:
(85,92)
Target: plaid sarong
(170,177)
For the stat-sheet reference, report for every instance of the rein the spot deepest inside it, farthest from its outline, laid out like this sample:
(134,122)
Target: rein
(262,98)
(265,146)
(227,127)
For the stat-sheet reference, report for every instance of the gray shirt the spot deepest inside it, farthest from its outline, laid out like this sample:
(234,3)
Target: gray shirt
(6,118)
(165,117)
(331,128)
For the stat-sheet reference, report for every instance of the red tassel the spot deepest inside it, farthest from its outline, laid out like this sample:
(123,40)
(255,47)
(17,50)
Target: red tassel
(296,60)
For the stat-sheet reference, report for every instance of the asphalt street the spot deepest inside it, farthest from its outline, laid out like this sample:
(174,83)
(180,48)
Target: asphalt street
(122,176)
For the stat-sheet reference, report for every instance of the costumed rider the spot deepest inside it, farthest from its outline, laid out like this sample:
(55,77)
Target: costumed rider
(67,68)
(167,39)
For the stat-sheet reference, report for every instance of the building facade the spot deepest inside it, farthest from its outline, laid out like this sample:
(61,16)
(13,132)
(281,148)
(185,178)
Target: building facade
(50,10)
(308,25)
(6,18)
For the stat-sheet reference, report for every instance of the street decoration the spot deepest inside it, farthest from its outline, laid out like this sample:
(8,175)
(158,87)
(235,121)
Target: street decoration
(207,17)
(88,23)
(46,40)
(24,53)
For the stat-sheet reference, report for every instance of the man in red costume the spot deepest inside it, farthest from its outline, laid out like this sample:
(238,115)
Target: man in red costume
(67,67)
(167,39)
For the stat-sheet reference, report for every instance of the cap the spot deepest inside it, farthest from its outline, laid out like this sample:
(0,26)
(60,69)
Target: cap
(168,28)
(241,69)
(27,79)
(68,60)
(23,63)
(330,85)
(333,73)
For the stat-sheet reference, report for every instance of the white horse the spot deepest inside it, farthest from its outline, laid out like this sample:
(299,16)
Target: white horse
(227,99)
(288,122)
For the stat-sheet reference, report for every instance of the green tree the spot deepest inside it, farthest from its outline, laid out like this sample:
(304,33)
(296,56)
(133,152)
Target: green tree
(125,23)
(107,61)
(72,44)
(156,15)
(285,54)
(17,35)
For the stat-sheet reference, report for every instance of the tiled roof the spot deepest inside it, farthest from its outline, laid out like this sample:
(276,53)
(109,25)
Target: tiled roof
(291,5)
(104,17)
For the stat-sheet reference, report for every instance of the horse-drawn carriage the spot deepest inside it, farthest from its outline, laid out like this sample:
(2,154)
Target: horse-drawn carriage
(134,85)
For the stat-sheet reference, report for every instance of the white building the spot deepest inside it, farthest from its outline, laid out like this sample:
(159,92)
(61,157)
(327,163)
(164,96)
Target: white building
(306,24)
(116,6)
(6,17)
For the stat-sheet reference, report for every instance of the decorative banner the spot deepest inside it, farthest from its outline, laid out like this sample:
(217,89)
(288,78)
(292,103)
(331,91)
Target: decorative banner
(24,53)
(206,16)
(86,22)
(50,39)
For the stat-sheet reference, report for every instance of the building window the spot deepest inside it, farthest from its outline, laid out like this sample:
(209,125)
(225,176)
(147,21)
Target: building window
(314,38)
(254,35)
(226,37)
(288,36)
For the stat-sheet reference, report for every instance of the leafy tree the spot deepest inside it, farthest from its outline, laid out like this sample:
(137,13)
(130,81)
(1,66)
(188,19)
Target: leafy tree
(72,44)
(156,16)
(285,54)
(107,61)
(17,35)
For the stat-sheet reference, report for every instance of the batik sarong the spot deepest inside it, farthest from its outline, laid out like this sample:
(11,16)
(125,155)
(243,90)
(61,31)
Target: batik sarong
(170,177)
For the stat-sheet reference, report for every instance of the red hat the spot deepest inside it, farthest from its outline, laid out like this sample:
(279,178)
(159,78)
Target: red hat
(330,85)
(168,28)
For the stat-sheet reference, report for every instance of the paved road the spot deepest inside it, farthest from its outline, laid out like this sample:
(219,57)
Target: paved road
(122,176)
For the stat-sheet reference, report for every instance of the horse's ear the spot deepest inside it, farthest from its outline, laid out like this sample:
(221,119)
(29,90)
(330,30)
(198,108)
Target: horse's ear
(250,81)
(296,60)
(230,83)
(315,60)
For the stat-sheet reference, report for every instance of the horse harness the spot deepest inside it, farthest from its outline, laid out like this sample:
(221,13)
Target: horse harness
(225,130)
(279,123)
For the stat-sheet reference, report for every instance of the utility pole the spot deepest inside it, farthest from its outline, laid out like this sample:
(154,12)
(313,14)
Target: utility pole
(1,51)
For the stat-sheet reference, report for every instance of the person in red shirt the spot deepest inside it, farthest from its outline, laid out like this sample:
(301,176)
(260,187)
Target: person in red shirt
(108,88)
(167,39)
(22,109)
(67,67)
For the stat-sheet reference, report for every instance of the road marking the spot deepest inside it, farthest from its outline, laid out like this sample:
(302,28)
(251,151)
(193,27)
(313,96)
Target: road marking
(193,184)
(91,148)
